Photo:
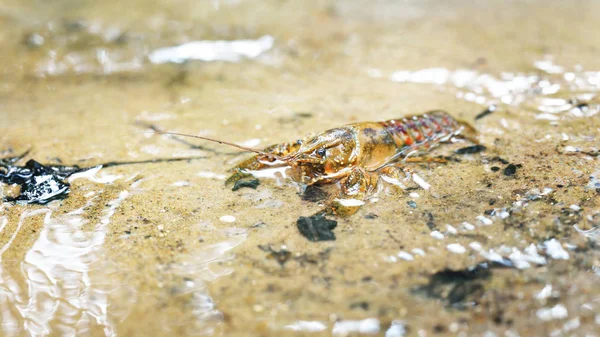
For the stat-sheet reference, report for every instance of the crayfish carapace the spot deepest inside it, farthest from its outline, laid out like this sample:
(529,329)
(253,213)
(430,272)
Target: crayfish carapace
(357,156)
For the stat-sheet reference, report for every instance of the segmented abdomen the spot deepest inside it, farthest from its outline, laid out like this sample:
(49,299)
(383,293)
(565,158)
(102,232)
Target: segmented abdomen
(422,130)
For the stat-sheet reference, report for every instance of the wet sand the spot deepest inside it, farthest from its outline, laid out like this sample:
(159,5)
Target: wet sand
(141,250)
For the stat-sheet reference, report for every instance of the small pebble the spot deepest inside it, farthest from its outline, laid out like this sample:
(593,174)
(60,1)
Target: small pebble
(545,293)
(405,256)
(571,149)
(418,251)
(456,248)
(451,230)
(475,246)
(227,218)
(555,250)
(557,312)
(467,226)
(437,235)
(484,220)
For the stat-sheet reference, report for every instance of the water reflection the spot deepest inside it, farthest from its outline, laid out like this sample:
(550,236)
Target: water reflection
(62,284)
(230,51)
(552,91)
(65,284)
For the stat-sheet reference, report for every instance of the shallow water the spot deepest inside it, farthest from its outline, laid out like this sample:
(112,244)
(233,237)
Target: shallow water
(165,249)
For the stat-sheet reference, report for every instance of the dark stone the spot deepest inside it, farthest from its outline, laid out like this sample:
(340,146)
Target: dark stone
(316,228)
(246,182)
(495,168)
(510,170)
(471,149)
(412,204)
(314,193)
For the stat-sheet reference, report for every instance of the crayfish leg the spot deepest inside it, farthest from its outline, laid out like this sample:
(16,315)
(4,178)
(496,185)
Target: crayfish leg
(353,191)
(395,175)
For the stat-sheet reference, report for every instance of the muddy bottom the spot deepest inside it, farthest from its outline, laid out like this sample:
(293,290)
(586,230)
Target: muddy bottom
(501,241)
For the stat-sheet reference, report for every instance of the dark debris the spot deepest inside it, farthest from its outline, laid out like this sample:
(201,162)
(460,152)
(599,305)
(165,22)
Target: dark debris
(39,184)
(499,159)
(510,170)
(490,109)
(471,149)
(457,288)
(281,256)
(362,305)
(246,182)
(430,221)
(316,228)
(371,216)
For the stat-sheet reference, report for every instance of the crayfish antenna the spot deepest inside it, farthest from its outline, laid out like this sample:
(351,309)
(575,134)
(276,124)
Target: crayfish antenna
(223,142)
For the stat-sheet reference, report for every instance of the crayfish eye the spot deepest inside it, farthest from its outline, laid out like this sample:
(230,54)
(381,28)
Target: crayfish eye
(321,152)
